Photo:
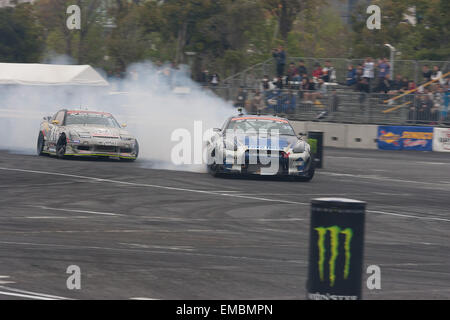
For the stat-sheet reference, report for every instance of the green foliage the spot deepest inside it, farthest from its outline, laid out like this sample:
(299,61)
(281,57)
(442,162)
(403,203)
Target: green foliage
(428,39)
(225,35)
(20,39)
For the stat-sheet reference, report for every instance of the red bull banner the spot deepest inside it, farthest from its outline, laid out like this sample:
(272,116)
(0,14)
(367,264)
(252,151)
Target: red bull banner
(405,138)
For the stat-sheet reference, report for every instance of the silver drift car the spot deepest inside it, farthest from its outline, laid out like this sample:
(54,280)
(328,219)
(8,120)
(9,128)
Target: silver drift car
(261,145)
(85,133)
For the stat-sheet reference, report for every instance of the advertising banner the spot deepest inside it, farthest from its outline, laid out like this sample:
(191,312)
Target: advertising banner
(336,249)
(441,139)
(405,138)
(389,138)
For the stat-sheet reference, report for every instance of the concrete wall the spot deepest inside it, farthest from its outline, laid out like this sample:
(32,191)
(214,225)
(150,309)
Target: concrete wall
(342,135)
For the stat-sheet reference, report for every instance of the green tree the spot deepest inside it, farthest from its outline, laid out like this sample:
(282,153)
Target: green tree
(425,38)
(20,35)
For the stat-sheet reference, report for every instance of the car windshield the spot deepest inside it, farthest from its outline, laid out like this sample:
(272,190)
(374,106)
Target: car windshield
(97,119)
(258,125)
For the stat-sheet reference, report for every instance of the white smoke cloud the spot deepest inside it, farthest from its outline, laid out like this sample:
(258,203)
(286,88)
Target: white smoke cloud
(145,100)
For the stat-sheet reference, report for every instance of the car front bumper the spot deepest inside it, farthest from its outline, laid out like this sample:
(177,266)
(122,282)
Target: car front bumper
(116,149)
(283,164)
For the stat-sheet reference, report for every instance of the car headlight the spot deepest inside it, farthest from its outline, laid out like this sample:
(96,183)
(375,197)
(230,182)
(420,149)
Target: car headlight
(299,147)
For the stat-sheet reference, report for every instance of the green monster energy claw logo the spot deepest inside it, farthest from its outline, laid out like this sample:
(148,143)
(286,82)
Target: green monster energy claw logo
(335,232)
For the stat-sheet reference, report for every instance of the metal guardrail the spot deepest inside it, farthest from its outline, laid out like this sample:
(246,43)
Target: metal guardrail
(342,106)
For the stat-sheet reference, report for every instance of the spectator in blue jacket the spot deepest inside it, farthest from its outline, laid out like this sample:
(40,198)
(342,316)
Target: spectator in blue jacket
(351,76)
(280,57)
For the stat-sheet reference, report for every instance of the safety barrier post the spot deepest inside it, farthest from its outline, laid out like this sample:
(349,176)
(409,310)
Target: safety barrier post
(336,249)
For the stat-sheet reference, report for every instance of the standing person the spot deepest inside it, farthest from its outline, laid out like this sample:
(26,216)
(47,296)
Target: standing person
(427,73)
(437,74)
(241,98)
(280,57)
(317,73)
(265,83)
(384,69)
(204,78)
(351,76)
(215,79)
(290,74)
(257,104)
(369,71)
(329,73)
(302,69)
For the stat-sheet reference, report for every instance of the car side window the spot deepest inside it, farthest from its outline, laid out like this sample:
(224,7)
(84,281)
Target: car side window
(60,117)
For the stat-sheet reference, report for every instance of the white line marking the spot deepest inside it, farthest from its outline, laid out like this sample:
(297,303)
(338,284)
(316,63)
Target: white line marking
(78,211)
(379,178)
(408,216)
(4,277)
(34,293)
(434,163)
(230,195)
(6,282)
(142,298)
(24,296)
(153,186)
(54,217)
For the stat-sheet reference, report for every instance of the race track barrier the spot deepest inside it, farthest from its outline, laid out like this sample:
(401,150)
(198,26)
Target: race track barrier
(441,139)
(355,136)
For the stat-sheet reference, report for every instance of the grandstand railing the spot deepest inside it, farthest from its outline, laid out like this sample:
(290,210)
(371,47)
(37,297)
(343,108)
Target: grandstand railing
(343,106)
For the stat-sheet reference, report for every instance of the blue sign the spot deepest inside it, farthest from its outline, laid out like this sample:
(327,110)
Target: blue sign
(405,138)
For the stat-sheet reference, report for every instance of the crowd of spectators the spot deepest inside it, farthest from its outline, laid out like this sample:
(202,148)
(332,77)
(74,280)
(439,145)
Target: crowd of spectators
(290,86)
(427,102)
(295,87)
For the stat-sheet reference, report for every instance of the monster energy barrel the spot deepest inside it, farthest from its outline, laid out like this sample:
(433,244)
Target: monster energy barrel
(336,247)
(315,139)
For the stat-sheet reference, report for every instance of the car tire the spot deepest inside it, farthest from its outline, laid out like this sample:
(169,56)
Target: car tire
(136,147)
(213,169)
(40,145)
(310,175)
(61,147)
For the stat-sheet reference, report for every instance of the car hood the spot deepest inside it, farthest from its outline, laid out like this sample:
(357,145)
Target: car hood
(99,131)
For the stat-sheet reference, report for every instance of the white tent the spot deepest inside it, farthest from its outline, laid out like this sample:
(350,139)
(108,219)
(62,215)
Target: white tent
(50,75)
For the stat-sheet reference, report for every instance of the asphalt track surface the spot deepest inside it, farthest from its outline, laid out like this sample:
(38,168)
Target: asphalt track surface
(155,234)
